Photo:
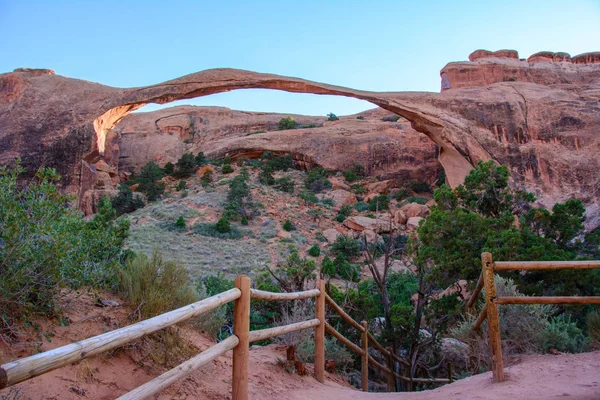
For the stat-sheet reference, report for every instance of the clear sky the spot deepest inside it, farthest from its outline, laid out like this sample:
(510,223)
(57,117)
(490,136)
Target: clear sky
(372,45)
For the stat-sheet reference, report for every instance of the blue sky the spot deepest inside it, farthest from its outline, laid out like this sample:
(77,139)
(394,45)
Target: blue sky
(371,45)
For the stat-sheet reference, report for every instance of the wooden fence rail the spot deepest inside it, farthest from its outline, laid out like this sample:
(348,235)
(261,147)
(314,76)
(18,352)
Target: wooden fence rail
(490,310)
(20,370)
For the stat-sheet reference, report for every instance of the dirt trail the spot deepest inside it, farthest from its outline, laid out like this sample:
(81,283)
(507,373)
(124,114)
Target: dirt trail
(543,377)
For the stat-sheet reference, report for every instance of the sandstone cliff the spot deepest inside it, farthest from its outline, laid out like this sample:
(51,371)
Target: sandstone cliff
(545,130)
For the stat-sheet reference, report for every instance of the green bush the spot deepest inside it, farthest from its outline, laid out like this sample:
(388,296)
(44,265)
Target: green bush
(309,197)
(314,251)
(210,230)
(420,187)
(46,245)
(244,220)
(288,226)
(180,223)
(223,225)
(356,172)
(169,168)
(379,203)
(286,123)
(393,118)
(154,286)
(181,185)
(319,236)
(206,178)
(148,180)
(285,184)
(200,159)
(316,180)
(345,210)
(278,163)
(360,117)
(357,188)
(593,325)
(346,245)
(361,206)
(332,117)
(401,194)
(266,177)
(563,335)
(327,202)
(186,166)
(227,169)
(340,218)
(415,199)
(125,201)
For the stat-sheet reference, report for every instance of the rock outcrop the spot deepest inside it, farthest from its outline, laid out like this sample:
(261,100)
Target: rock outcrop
(544,128)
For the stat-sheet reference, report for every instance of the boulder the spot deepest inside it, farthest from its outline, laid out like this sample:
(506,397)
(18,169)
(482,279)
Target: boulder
(381,187)
(342,197)
(415,210)
(413,223)
(331,235)
(383,224)
(336,183)
(284,235)
(400,217)
(455,352)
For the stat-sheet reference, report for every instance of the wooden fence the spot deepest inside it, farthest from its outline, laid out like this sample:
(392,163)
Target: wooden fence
(492,300)
(23,369)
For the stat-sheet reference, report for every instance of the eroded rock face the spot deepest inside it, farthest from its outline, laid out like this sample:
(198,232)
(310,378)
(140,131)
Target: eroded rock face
(544,128)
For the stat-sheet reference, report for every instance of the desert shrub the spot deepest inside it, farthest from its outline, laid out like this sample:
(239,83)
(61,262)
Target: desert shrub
(227,169)
(415,199)
(153,286)
(309,197)
(278,163)
(327,202)
(285,184)
(46,245)
(420,187)
(593,325)
(148,180)
(223,225)
(360,117)
(357,188)
(185,166)
(361,206)
(379,203)
(392,118)
(244,220)
(345,210)
(286,123)
(256,132)
(288,226)
(316,180)
(307,126)
(125,201)
(319,236)
(401,194)
(169,168)
(213,322)
(356,172)
(332,117)
(266,177)
(200,159)
(210,230)
(335,351)
(314,251)
(346,245)
(180,223)
(181,185)
(340,218)
(563,335)
(207,178)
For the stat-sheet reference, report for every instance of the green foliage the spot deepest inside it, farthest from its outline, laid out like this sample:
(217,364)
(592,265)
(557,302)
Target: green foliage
(357,188)
(200,159)
(319,236)
(206,178)
(360,117)
(148,180)
(346,245)
(46,245)
(334,351)
(180,223)
(420,187)
(361,206)
(244,220)
(185,166)
(154,286)
(278,163)
(392,118)
(327,202)
(294,273)
(227,169)
(316,180)
(415,199)
(356,172)
(563,335)
(309,197)
(379,203)
(332,117)
(181,185)
(168,168)
(593,325)
(266,177)
(340,218)
(401,194)
(285,184)
(314,251)
(223,225)
(210,230)
(286,123)
(125,202)
(288,226)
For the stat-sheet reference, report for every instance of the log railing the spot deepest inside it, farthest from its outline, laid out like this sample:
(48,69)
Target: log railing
(492,300)
(26,368)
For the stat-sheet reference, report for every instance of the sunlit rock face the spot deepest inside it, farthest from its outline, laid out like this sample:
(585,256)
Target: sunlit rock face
(539,118)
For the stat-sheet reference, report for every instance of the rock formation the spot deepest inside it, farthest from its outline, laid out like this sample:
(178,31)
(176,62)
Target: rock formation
(543,124)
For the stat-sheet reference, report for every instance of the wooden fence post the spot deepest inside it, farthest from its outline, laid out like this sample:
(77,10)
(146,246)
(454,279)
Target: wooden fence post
(391,379)
(364,341)
(492,317)
(241,328)
(320,333)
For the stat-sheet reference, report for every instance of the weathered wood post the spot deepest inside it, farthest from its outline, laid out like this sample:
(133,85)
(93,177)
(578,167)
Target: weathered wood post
(492,317)
(391,379)
(364,364)
(450,373)
(241,328)
(320,333)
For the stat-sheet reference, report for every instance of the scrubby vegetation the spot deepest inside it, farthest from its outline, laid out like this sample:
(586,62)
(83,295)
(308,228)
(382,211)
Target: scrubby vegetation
(286,123)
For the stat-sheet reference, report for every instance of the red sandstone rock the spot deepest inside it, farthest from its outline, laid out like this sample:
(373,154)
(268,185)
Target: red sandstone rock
(381,187)
(413,223)
(415,210)
(342,197)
